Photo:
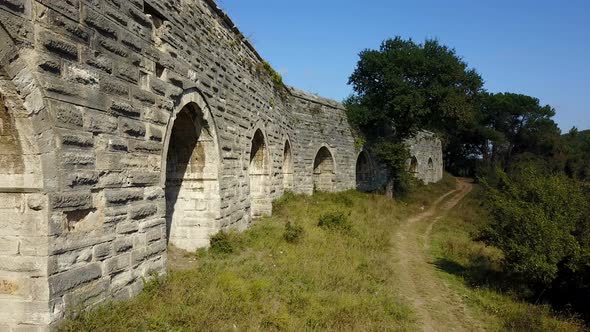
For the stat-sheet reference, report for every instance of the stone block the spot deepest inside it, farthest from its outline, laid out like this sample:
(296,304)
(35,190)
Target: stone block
(65,115)
(58,46)
(98,61)
(132,128)
(69,8)
(142,211)
(88,295)
(9,245)
(79,200)
(103,250)
(117,263)
(127,72)
(145,146)
(98,122)
(113,87)
(100,23)
(81,179)
(125,109)
(80,75)
(17,6)
(121,245)
(123,196)
(113,47)
(63,282)
(143,178)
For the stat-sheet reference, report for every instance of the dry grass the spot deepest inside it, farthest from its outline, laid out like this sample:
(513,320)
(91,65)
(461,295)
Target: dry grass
(331,278)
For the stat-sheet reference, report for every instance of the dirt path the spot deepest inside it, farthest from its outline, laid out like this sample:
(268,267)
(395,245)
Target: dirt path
(438,307)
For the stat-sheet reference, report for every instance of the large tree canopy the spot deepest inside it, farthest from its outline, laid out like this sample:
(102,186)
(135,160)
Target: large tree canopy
(519,124)
(405,86)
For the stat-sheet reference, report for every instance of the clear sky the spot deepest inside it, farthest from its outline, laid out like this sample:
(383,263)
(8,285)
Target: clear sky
(535,47)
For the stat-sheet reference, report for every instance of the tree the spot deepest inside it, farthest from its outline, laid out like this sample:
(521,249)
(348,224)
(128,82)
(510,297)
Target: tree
(538,220)
(519,124)
(404,87)
(578,160)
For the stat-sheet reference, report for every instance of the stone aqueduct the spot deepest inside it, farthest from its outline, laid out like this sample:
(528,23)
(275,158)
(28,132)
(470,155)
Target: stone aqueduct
(128,124)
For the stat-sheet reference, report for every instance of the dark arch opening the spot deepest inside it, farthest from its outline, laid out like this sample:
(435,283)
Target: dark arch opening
(259,172)
(323,171)
(413,166)
(364,172)
(430,164)
(11,154)
(192,185)
(287,167)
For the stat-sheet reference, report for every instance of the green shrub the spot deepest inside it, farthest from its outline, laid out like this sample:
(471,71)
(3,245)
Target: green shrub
(359,143)
(536,219)
(334,220)
(293,233)
(395,156)
(224,243)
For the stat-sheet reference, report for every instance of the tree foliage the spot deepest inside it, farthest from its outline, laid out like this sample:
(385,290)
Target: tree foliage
(536,219)
(578,154)
(405,86)
(516,124)
(395,156)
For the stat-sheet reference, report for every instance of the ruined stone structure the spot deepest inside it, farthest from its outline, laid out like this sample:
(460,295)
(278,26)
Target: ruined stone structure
(126,125)
(426,163)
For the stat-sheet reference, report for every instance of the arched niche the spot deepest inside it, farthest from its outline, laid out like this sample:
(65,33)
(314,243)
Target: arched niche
(287,167)
(11,152)
(25,176)
(20,162)
(364,172)
(430,164)
(259,175)
(324,176)
(193,200)
(413,168)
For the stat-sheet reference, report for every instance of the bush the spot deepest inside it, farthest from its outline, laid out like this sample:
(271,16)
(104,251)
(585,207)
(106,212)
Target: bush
(293,233)
(223,243)
(536,219)
(334,220)
(395,156)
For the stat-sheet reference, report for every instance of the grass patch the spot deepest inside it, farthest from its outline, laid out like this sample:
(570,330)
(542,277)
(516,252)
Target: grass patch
(475,271)
(284,273)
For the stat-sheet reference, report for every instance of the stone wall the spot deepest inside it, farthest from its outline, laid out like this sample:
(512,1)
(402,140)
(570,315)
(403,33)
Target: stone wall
(425,164)
(126,124)
(427,158)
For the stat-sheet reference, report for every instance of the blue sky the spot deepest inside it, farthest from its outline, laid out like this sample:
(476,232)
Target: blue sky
(539,48)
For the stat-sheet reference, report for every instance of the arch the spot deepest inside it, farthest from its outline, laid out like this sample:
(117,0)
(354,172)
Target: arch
(413,169)
(259,175)
(11,154)
(364,172)
(26,133)
(324,172)
(287,167)
(430,164)
(191,170)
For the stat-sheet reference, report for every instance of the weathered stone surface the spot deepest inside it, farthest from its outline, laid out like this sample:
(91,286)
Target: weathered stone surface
(71,200)
(427,160)
(62,282)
